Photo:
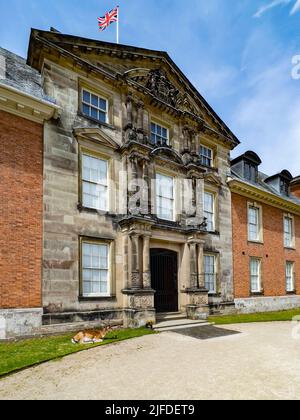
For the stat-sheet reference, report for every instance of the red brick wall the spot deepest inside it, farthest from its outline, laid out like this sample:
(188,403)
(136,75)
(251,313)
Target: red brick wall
(272,252)
(21,186)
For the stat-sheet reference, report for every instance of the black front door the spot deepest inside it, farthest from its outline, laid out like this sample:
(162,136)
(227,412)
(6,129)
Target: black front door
(164,278)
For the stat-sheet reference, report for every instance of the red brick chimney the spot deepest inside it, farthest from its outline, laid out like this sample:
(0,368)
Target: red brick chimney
(295,186)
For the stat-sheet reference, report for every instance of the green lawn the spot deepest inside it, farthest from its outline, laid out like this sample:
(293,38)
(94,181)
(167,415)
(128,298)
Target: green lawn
(22,354)
(262,317)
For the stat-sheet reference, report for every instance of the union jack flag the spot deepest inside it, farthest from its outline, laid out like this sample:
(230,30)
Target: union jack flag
(109,18)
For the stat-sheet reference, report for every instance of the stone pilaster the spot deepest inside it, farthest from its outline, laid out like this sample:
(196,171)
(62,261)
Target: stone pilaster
(126,250)
(194,266)
(146,188)
(139,295)
(201,280)
(146,262)
(135,262)
(197,307)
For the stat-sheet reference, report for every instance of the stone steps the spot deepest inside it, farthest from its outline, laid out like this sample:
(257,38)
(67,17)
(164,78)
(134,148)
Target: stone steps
(177,324)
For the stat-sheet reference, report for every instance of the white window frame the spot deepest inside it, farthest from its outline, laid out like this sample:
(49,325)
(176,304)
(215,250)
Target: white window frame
(214,274)
(258,208)
(162,127)
(211,212)
(291,234)
(258,275)
(90,105)
(203,156)
(89,182)
(159,176)
(93,269)
(290,277)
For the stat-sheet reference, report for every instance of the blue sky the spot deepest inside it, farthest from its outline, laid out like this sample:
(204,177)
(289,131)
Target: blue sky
(238,53)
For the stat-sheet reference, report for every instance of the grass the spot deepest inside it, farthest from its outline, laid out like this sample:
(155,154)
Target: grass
(261,317)
(19,355)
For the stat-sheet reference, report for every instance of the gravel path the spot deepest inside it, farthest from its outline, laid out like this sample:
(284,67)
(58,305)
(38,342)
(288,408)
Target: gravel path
(262,362)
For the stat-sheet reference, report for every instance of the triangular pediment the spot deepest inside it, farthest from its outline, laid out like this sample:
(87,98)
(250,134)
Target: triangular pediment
(153,71)
(213,179)
(95,135)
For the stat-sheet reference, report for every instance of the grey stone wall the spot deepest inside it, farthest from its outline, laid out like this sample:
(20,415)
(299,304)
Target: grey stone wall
(19,322)
(267,304)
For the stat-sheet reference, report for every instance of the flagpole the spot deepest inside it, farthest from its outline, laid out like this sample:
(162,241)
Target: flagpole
(118,33)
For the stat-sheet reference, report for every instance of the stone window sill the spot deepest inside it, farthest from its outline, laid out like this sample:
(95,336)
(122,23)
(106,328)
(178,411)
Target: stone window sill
(255,242)
(101,124)
(96,299)
(257,294)
(82,208)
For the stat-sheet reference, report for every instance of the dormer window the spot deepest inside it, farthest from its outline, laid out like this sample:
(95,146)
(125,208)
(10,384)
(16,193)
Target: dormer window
(246,166)
(281,182)
(250,172)
(284,187)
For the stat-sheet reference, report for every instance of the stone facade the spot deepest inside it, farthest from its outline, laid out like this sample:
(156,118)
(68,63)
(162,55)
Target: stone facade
(140,87)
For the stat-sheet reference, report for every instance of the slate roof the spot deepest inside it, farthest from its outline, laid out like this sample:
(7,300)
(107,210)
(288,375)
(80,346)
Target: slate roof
(262,185)
(22,77)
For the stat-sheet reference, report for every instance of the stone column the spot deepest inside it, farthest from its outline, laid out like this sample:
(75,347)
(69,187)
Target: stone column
(140,116)
(146,263)
(129,110)
(201,280)
(133,183)
(126,249)
(186,136)
(194,266)
(146,189)
(193,142)
(135,273)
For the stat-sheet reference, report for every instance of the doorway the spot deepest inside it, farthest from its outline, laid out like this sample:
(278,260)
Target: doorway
(164,279)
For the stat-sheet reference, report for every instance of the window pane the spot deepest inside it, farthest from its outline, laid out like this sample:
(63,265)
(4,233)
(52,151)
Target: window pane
(95,101)
(288,232)
(206,156)
(102,104)
(95,279)
(86,110)
(86,97)
(98,106)
(253,223)
(165,197)
(209,211)
(255,275)
(159,134)
(94,113)
(95,182)
(209,273)
(290,286)
(102,117)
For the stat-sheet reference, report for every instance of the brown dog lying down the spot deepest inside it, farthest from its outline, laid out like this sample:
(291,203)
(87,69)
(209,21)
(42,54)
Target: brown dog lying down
(91,336)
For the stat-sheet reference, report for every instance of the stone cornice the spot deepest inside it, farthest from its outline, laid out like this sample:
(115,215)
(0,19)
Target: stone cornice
(26,106)
(255,193)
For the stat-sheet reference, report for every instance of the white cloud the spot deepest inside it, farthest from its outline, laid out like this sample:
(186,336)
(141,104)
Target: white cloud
(296,7)
(267,120)
(263,9)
